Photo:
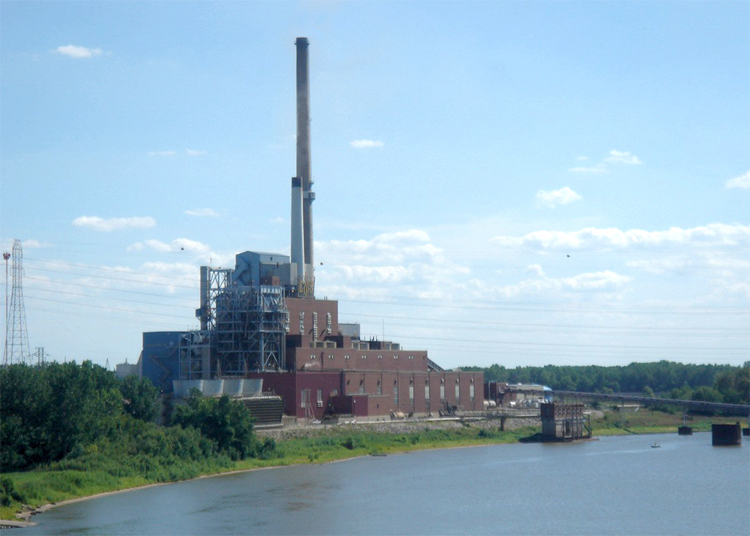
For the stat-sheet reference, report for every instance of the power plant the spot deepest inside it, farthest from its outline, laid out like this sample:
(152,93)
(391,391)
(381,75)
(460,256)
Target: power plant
(262,331)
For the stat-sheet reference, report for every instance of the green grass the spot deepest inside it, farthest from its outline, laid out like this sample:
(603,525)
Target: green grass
(93,475)
(646,421)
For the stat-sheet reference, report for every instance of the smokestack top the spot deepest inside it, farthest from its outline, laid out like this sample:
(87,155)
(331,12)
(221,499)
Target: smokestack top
(301,41)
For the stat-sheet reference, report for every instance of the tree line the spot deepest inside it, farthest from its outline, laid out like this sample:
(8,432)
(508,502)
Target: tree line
(78,414)
(713,383)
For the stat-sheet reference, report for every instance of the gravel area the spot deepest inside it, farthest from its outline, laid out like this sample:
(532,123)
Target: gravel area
(397,427)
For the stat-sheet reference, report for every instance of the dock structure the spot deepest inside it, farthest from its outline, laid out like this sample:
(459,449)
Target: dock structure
(564,422)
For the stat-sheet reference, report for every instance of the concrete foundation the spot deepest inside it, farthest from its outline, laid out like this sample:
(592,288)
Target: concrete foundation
(726,434)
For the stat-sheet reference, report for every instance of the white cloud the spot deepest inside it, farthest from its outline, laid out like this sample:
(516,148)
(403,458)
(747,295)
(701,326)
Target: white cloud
(193,152)
(403,264)
(715,234)
(34,244)
(622,157)
(606,281)
(535,269)
(743,181)
(113,224)
(77,52)
(615,157)
(600,168)
(202,212)
(179,244)
(366,144)
(552,198)
(162,153)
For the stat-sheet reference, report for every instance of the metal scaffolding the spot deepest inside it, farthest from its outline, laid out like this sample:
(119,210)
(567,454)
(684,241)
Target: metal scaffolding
(250,330)
(194,350)
(16,337)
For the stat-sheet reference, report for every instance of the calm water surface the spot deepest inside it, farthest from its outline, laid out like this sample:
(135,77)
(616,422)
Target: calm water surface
(617,485)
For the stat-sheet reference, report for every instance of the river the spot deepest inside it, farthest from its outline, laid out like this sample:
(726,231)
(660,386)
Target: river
(615,485)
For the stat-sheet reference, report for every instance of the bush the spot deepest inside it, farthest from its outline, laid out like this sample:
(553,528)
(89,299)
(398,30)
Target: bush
(8,493)
(227,423)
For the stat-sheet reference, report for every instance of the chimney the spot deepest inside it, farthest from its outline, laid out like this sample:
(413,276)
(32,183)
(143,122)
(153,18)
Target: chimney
(303,155)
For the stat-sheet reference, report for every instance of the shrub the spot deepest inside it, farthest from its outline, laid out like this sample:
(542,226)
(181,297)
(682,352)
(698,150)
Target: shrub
(8,492)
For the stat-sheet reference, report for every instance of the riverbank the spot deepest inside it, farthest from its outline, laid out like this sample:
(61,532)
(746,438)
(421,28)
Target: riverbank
(313,444)
(52,486)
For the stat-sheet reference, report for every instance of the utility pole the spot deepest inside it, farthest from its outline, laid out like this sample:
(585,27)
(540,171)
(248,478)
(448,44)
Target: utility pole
(41,356)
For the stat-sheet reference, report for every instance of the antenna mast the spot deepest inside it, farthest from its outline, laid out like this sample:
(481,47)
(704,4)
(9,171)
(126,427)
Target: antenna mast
(16,336)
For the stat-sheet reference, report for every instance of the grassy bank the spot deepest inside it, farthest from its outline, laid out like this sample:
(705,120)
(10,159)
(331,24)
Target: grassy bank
(96,474)
(646,421)
(65,481)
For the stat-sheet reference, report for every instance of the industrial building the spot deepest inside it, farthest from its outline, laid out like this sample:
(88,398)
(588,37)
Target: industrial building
(261,321)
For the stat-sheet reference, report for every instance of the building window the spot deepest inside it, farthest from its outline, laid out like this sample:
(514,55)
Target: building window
(330,356)
(395,357)
(411,395)
(442,393)
(286,322)
(411,357)
(364,356)
(346,357)
(361,387)
(395,395)
(315,326)
(312,356)
(380,357)
(471,392)
(304,398)
(458,393)
(302,322)
(427,393)
(329,326)
(335,392)
(379,390)
(320,398)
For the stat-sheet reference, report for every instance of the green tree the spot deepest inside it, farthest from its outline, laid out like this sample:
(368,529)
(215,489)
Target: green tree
(734,385)
(224,421)
(47,411)
(706,394)
(140,398)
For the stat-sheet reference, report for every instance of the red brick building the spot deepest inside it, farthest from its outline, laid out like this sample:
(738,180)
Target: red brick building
(331,371)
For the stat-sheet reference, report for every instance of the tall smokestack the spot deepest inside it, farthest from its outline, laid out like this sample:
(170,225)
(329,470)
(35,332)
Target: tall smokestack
(303,150)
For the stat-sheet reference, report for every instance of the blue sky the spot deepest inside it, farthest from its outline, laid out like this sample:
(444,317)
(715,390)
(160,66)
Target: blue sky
(520,183)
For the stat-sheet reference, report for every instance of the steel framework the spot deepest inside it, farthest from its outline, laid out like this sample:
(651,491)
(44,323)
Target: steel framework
(16,337)
(194,351)
(250,330)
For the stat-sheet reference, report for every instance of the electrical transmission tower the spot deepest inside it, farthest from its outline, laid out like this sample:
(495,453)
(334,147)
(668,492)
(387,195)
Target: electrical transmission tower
(16,336)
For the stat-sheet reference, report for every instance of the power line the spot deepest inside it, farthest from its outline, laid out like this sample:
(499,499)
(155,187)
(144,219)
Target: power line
(109,289)
(106,269)
(404,320)
(131,311)
(121,279)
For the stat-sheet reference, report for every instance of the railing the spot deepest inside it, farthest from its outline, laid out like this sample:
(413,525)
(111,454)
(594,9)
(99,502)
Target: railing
(733,409)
